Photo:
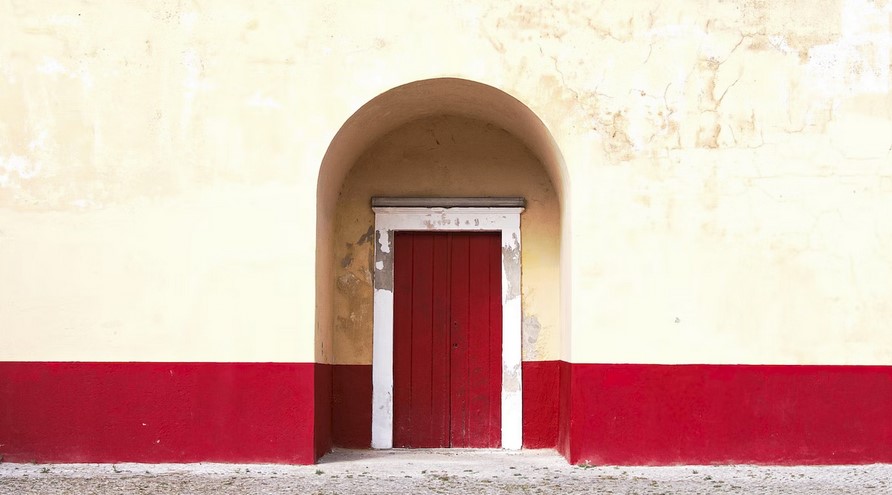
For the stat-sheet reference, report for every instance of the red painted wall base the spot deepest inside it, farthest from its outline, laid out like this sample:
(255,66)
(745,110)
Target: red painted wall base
(541,389)
(292,413)
(322,383)
(351,408)
(714,414)
(158,412)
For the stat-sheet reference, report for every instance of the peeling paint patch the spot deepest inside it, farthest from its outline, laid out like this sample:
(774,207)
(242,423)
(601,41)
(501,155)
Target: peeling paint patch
(859,61)
(531,329)
(383,238)
(511,262)
(510,379)
(383,262)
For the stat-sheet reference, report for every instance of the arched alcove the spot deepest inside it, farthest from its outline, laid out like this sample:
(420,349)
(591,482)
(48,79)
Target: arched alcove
(432,138)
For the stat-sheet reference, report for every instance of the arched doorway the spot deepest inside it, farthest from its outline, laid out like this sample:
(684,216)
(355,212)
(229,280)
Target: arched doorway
(433,139)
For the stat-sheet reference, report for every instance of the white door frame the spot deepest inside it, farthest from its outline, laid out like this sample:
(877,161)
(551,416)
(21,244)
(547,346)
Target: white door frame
(390,219)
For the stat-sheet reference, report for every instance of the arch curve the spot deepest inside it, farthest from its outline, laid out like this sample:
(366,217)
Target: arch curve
(386,112)
(389,114)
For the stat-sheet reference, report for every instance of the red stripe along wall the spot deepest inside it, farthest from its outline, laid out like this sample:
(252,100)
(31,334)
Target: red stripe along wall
(599,414)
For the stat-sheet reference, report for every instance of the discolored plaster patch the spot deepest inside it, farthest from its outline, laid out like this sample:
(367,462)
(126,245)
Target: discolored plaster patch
(511,257)
(383,262)
(348,258)
(367,237)
(530,330)
(511,379)
(350,284)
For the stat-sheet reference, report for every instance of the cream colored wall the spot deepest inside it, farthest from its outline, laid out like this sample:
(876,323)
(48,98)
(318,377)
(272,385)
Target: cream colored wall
(727,169)
(446,156)
(734,205)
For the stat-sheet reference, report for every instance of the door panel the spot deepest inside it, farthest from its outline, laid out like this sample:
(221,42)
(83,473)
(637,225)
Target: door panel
(440,344)
(421,369)
(447,339)
(459,358)
(402,341)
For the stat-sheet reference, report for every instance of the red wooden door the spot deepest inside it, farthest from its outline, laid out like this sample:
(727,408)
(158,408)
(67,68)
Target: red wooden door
(447,330)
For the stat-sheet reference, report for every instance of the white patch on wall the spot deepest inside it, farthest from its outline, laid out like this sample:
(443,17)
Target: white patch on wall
(780,44)
(188,19)
(22,167)
(192,71)
(38,143)
(6,70)
(193,83)
(51,67)
(85,78)
(63,20)
(15,165)
(858,62)
(84,203)
(260,100)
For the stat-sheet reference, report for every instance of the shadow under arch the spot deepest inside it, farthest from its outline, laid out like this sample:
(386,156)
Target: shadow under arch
(383,114)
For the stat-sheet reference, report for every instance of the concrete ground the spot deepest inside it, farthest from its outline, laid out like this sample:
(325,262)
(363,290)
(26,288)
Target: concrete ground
(474,472)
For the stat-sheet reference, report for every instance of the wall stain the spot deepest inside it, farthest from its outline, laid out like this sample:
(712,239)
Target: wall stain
(531,330)
(367,237)
(346,260)
(511,255)
(384,275)
(510,383)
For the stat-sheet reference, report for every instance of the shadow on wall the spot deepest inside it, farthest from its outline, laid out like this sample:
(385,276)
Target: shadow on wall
(444,156)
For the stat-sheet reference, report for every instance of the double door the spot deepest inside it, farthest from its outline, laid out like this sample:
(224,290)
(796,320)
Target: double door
(447,339)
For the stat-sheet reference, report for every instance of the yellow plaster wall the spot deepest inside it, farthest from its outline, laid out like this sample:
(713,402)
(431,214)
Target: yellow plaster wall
(727,169)
(209,276)
(446,156)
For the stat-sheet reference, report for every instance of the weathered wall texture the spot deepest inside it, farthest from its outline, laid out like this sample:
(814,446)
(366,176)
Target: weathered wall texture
(731,206)
(727,170)
(446,156)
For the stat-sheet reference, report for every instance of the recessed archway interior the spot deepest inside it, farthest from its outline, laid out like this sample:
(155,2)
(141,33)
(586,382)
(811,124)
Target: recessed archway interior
(443,155)
(454,142)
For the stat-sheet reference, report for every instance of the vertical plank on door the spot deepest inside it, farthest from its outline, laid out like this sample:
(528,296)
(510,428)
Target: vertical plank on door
(479,341)
(402,340)
(422,300)
(459,265)
(440,343)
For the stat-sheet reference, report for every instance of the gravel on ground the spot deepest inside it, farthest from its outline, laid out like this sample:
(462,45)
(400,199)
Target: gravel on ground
(451,471)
